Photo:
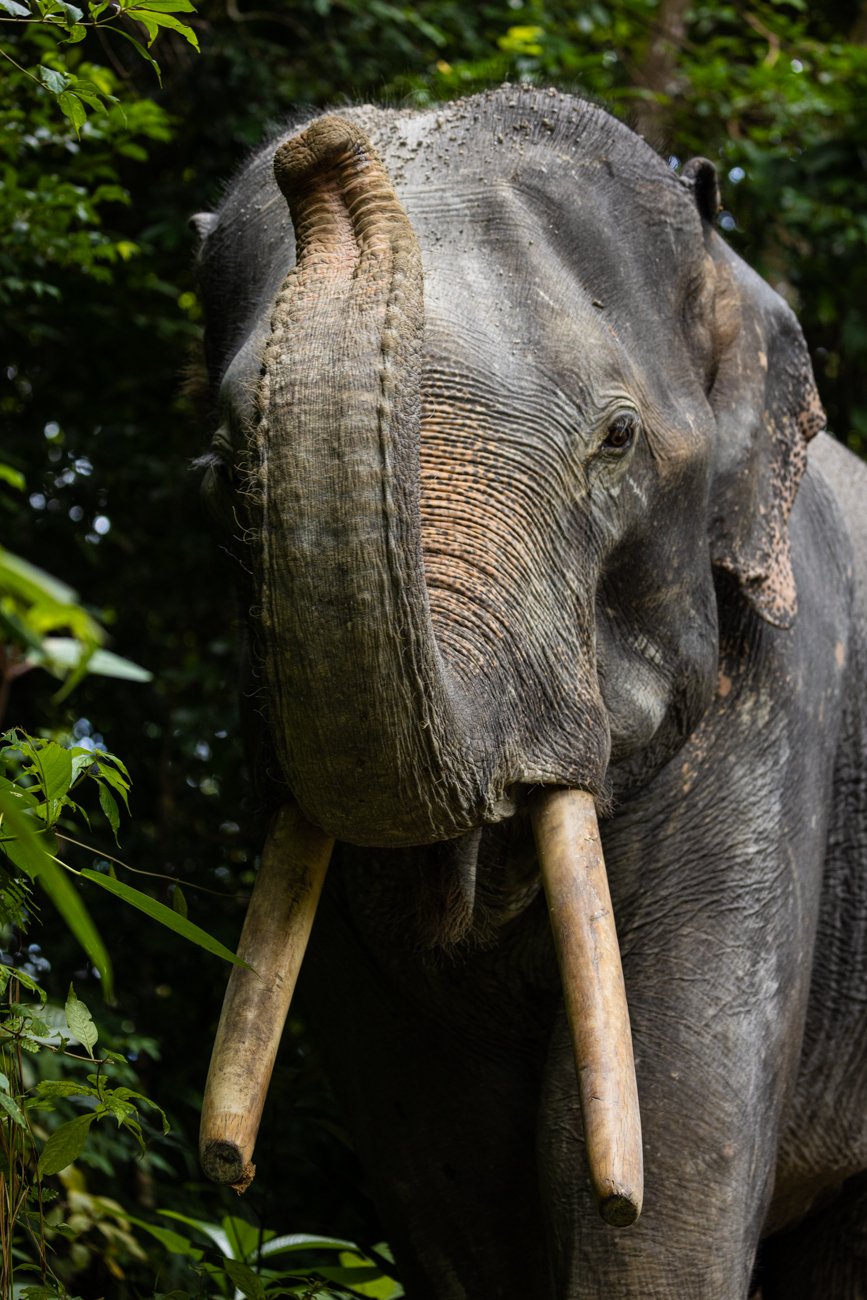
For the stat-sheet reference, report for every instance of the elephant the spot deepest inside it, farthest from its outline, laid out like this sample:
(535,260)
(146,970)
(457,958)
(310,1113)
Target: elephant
(526,476)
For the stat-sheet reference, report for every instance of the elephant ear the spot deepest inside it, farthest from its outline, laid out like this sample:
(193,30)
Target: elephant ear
(766,407)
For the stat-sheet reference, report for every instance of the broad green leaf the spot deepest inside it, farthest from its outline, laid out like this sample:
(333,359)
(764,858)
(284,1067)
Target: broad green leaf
(250,1286)
(113,778)
(22,836)
(210,1230)
(56,82)
(76,34)
(64,1088)
(82,760)
(72,108)
(378,1284)
(108,804)
(244,1236)
(18,631)
(172,1241)
(147,21)
(54,767)
(14,8)
(80,1022)
(24,578)
(73,14)
(154,18)
(26,981)
(165,915)
(12,1109)
(65,1144)
(66,652)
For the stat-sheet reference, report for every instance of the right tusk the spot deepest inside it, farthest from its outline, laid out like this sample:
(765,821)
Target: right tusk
(273,941)
(579,903)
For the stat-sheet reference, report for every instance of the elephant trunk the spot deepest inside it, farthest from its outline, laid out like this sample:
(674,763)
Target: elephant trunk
(375,739)
(371,735)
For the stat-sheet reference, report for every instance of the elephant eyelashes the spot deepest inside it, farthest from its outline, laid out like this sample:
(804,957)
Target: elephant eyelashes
(622,432)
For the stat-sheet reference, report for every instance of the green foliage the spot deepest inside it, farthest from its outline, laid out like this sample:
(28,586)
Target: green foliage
(246,1257)
(54,194)
(34,605)
(98,308)
(38,1138)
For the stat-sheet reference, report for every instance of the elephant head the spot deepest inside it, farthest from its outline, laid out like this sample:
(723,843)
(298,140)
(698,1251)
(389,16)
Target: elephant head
(487,431)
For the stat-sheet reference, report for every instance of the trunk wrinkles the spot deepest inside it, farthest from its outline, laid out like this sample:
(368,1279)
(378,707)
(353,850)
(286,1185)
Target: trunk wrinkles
(373,736)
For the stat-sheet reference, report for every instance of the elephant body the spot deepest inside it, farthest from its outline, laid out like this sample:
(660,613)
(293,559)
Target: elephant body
(606,559)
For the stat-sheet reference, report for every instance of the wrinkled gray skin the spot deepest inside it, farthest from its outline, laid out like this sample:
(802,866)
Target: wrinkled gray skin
(460,586)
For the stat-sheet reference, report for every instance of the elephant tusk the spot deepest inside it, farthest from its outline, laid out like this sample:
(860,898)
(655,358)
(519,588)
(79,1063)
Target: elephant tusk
(579,903)
(273,941)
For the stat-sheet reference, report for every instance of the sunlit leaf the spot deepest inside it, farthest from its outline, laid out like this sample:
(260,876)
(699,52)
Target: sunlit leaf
(12,1109)
(80,1022)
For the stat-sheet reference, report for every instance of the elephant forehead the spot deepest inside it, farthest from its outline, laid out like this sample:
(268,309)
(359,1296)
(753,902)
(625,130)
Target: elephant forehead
(526,303)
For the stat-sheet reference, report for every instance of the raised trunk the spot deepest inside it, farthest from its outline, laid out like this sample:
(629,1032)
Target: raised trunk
(373,737)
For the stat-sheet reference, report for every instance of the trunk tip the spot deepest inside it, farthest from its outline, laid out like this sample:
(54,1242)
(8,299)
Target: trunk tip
(325,142)
(223,1162)
(621,1209)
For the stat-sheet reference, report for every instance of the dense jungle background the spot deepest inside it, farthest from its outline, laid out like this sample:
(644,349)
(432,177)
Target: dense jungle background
(101,164)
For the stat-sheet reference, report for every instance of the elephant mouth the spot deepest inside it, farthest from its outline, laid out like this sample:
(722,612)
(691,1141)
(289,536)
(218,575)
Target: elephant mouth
(274,938)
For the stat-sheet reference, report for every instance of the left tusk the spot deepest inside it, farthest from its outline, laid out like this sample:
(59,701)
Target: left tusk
(579,903)
(273,941)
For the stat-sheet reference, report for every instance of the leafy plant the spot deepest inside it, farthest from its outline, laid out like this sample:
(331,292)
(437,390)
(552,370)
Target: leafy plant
(29,1153)
(246,1258)
(67,25)
(34,607)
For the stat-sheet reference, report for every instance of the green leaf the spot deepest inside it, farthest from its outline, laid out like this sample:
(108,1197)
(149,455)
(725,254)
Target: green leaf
(108,804)
(165,915)
(13,477)
(72,108)
(12,1109)
(25,980)
(53,765)
(250,1286)
(242,1235)
(65,1144)
(56,82)
(172,1241)
(80,1022)
(114,779)
(67,652)
(35,584)
(14,8)
(64,1088)
(23,836)
(210,1230)
(153,16)
(305,1241)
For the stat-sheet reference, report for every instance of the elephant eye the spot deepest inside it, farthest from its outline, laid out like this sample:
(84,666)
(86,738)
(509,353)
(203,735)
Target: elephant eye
(622,432)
